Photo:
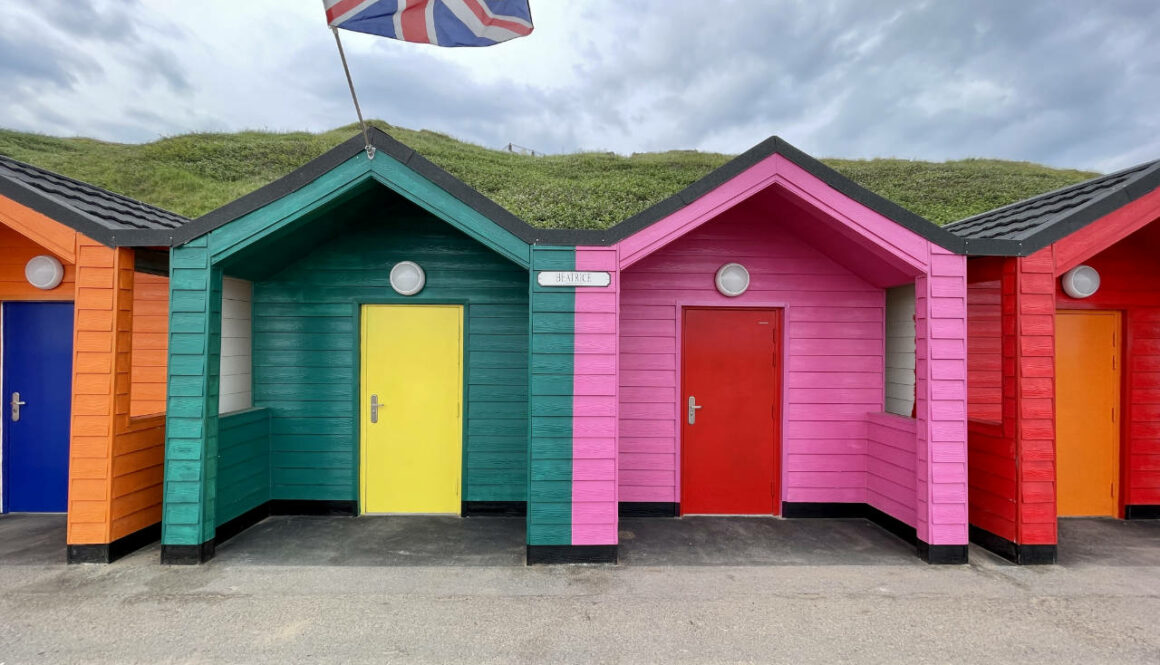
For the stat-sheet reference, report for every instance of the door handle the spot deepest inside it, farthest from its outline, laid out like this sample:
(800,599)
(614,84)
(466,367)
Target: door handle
(16,404)
(375,406)
(693,410)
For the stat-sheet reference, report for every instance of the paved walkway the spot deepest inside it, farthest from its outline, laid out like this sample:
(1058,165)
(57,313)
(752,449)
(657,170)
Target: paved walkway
(881,606)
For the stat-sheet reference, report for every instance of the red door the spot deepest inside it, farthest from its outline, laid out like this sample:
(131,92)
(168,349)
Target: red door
(730,410)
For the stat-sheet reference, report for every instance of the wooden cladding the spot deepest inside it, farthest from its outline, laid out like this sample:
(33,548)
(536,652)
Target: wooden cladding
(119,359)
(150,329)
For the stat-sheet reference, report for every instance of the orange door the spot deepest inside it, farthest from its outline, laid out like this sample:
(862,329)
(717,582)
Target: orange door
(1087,412)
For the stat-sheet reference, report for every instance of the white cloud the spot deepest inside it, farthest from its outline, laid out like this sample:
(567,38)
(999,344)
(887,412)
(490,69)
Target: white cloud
(1068,83)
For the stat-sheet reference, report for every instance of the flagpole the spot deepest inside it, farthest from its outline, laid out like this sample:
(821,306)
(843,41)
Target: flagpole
(350,82)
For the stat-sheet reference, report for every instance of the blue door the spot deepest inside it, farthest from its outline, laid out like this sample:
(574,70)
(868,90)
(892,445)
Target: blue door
(37,339)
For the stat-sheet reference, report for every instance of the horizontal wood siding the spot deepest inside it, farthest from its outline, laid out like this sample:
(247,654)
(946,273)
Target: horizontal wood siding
(15,252)
(834,347)
(137,474)
(992,404)
(991,470)
(191,436)
(115,461)
(58,239)
(985,351)
(941,375)
(550,451)
(305,362)
(1034,409)
(150,335)
(102,330)
(1142,456)
(890,465)
(594,411)
(243,480)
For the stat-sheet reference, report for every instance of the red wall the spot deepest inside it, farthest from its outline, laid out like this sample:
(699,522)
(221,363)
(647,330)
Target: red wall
(1130,282)
(1010,315)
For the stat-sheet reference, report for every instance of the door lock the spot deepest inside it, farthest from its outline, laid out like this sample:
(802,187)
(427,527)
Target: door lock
(375,406)
(16,404)
(693,410)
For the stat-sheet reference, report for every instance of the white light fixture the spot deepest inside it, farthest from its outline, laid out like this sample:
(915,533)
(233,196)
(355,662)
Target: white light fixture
(1081,281)
(44,272)
(732,279)
(407,278)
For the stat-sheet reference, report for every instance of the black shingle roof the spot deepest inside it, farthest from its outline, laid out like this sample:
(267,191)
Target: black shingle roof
(108,218)
(1027,226)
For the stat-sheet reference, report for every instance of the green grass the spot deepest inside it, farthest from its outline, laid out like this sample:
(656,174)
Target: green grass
(195,173)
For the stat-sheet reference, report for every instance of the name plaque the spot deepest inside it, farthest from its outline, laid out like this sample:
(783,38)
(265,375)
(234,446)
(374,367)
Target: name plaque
(573,278)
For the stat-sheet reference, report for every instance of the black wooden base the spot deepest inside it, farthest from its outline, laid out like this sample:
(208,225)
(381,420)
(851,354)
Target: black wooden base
(551,554)
(110,552)
(187,555)
(495,508)
(941,555)
(1027,555)
(936,554)
(649,509)
(1142,512)
(793,510)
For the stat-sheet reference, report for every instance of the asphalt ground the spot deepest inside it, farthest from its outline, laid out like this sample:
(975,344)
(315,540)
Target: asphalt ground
(679,596)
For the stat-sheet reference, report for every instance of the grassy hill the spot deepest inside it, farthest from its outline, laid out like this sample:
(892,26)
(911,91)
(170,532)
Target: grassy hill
(195,173)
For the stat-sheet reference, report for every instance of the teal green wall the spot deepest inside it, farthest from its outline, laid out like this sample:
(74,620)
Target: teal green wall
(191,432)
(305,336)
(243,473)
(550,450)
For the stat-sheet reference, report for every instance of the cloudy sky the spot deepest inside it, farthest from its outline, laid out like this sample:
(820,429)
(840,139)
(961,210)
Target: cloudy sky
(1064,82)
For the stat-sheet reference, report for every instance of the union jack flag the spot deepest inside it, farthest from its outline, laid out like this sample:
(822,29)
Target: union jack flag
(439,22)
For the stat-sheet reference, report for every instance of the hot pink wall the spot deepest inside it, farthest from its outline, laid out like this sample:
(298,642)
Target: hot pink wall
(890,465)
(594,491)
(833,339)
(941,404)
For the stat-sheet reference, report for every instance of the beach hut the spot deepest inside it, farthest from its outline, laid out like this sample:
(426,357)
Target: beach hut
(84,294)
(773,340)
(370,335)
(352,339)
(1064,361)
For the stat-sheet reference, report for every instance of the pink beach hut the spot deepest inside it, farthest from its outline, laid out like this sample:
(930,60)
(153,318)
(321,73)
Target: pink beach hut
(787,343)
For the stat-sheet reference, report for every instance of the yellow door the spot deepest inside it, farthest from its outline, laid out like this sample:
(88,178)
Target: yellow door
(1087,412)
(412,389)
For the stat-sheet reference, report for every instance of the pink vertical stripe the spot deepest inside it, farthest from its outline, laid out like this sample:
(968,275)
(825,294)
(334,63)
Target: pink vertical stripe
(594,404)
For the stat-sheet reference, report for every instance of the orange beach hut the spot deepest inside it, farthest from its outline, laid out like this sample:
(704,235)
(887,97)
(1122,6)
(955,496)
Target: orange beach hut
(84,305)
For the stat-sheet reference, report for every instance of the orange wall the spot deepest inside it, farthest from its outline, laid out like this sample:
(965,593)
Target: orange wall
(150,328)
(119,329)
(15,251)
(115,466)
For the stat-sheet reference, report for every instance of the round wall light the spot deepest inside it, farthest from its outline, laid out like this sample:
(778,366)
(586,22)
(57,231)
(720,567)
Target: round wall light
(732,279)
(407,278)
(44,272)
(1081,281)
